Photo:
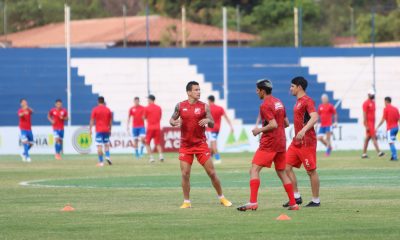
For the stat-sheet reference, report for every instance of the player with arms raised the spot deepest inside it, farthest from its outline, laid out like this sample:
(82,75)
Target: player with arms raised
(57,116)
(25,125)
(192,116)
(102,116)
(272,147)
(303,149)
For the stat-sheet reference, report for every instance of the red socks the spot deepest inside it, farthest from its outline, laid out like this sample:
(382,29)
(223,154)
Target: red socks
(254,185)
(289,190)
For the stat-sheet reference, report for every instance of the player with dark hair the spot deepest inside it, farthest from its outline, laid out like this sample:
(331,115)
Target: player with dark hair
(391,116)
(25,126)
(57,116)
(303,149)
(153,114)
(369,124)
(217,113)
(102,116)
(192,116)
(326,112)
(272,147)
(138,130)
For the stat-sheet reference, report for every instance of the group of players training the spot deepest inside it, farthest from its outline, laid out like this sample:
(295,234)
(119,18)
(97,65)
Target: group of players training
(193,117)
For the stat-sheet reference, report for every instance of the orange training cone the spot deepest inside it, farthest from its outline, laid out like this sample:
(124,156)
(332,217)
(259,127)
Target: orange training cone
(283,217)
(68,208)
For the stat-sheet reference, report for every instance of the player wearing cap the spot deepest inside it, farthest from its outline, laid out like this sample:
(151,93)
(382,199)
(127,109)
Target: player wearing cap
(57,117)
(326,111)
(391,116)
(153,115)
(25,126)
(369,124)
(217,113)
(102,116)
(272,147)
(303,149)
(192,116)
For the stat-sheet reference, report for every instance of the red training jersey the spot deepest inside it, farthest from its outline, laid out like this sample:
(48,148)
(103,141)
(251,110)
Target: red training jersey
(153,115)
(391,116)
(58,116)
(274,140)
(216,112)
(102,116)
(25,120)
(192,134)
(369,109)
(137,113)
(326,111)
(302,109)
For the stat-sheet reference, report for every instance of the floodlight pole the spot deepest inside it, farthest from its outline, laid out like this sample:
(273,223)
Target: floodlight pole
(5,20)
(183,29)
(225,54)
(67,21)
(124,16)
(147,48)
(373,49)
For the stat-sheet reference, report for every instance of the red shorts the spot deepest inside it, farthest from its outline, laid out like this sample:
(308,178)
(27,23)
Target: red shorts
(265,159)
(202,153)
(153,134)
(307,156)
(371,132)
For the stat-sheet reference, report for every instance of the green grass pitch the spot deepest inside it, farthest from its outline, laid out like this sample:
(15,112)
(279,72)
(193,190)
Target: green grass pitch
(137,200)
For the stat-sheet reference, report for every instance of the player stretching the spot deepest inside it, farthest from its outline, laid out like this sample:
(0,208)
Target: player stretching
(212,133)
(192,116)
(102,116)
(391,116)
(138,130)
(303,149)
(369,123)
(272,145)
(325,111)
(153,115)
(57,116)
(25,125)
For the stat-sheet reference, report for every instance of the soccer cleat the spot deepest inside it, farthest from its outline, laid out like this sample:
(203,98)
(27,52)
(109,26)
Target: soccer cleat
(28,159)
(23,157)
(299,201)
(364,156)
(100,164)
(313,204)
(294,207)
(393,159)
(109,161)
(58,156)
(151,160)
(381,154)
(186,205)
(161,159)
(225,202)
(248,206)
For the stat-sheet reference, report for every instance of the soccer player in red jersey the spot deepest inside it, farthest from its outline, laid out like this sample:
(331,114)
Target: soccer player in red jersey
(303,149)
(192,116)
(25,126)
(391,116)
(138,130)
(102,116)
(272,147)
(217,113)
(326,111)
(153,114)
(369,123)
(57,116)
